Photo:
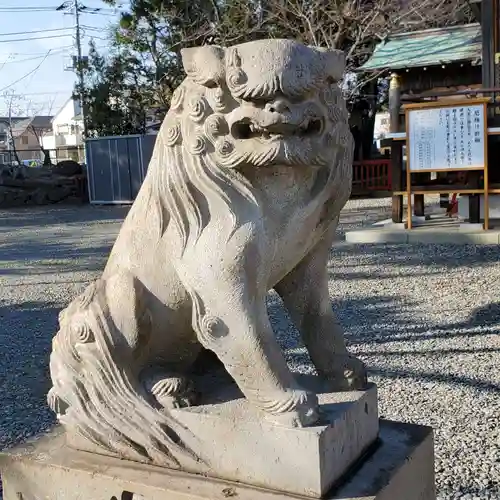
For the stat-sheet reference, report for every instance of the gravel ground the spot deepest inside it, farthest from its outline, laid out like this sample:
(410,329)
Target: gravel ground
(424,318)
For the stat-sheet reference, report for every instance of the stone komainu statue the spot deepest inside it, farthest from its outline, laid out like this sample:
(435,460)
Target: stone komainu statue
(250,170)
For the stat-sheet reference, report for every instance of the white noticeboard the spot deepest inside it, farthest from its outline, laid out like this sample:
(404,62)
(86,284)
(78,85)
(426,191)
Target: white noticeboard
(447,138)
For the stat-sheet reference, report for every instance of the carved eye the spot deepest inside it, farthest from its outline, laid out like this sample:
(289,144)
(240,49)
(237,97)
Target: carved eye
(330,80)
(211,84)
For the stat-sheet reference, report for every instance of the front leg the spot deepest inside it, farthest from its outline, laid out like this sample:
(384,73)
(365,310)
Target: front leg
(305,294)
(230,318)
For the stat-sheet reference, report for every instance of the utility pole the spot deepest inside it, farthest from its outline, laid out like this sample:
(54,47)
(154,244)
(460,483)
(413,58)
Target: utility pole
(79,63)
(75,7)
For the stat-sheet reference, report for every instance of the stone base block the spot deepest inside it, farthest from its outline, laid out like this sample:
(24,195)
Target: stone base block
(399,467)
(242,446)
(239,443)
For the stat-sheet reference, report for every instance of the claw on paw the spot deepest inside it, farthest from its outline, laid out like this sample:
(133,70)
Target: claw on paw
(348,374)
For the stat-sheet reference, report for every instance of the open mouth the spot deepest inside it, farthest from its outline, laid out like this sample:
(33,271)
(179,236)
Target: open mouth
(246,129)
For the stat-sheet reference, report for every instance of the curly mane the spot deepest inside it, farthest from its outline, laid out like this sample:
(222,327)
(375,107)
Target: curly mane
(101,399)
(188,184)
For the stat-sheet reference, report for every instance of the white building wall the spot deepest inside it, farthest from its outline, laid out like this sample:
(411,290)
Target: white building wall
(66,114)
(66,131)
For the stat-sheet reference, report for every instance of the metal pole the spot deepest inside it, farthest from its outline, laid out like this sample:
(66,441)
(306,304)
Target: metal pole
(11,138)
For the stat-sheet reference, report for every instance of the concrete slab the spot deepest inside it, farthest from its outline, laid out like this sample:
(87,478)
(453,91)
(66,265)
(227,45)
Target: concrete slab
(400,467)
(372,235)
(436,230)
(415,236)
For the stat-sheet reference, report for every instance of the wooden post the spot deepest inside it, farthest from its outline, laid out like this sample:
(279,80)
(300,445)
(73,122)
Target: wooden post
(419,205)
(396,147)
(489,42)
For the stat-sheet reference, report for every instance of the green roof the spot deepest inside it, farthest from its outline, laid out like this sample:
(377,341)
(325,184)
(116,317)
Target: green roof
(427,48)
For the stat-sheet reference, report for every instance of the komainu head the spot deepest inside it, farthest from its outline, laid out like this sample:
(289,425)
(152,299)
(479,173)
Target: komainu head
(270,102)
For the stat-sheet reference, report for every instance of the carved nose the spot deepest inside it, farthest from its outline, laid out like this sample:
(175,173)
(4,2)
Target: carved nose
(277,106)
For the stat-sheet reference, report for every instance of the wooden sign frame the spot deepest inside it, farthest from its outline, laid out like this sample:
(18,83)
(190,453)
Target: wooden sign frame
(452,103)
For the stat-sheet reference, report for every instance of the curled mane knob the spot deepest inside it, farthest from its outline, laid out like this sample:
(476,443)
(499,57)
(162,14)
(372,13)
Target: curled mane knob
(82,334)
(236,78)
(177,98)
(173,134)
(224,147)
(197,145)
(197,108)
(216,126)
(213,327)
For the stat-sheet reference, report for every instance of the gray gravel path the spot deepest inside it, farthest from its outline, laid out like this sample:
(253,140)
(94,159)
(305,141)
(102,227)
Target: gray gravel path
(424,318)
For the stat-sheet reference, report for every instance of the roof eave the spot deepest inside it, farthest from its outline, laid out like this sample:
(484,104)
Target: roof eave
(382,69)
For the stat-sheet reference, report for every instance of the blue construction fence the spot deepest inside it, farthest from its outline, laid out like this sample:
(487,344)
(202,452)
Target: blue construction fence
(116,167)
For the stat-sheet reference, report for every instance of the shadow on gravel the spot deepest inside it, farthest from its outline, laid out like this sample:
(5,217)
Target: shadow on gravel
(43,216)
(365,326)
(55,250)
(67,241)
(433,256)
(480,385)
(363,321)
(26,332)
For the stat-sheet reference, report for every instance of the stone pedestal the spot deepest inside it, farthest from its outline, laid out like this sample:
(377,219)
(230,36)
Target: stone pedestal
(239,443)
(399,467)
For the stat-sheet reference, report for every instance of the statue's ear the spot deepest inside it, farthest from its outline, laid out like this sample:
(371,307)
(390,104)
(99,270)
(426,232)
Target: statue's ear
(333,61)
(205,64)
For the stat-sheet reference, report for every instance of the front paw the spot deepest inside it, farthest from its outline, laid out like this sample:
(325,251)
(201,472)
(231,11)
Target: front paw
(170,391)
(348,374)
(299,409)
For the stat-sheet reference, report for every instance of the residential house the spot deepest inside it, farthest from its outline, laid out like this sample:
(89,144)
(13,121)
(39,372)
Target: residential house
(25,134)
(4,138)
(28,136)
(65,141)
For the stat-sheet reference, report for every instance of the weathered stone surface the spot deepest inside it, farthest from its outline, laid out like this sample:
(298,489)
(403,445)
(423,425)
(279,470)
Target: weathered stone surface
(400,468)
(240,445)
(249,173)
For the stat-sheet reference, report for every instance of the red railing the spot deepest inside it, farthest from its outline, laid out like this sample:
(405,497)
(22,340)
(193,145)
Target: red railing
(371,175)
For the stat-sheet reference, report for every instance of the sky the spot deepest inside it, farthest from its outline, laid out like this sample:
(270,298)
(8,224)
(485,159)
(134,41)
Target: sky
(36,44)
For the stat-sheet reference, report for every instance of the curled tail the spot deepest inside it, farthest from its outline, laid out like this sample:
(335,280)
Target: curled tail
(96,393)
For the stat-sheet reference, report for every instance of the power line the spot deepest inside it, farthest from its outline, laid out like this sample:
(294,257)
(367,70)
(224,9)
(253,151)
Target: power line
(37,53)
(101,13)
(34,38)
(32,32)
(26,9)
(36,8)
(54,92)
(55,52)
(44,38)
(26,75)
(93,28)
